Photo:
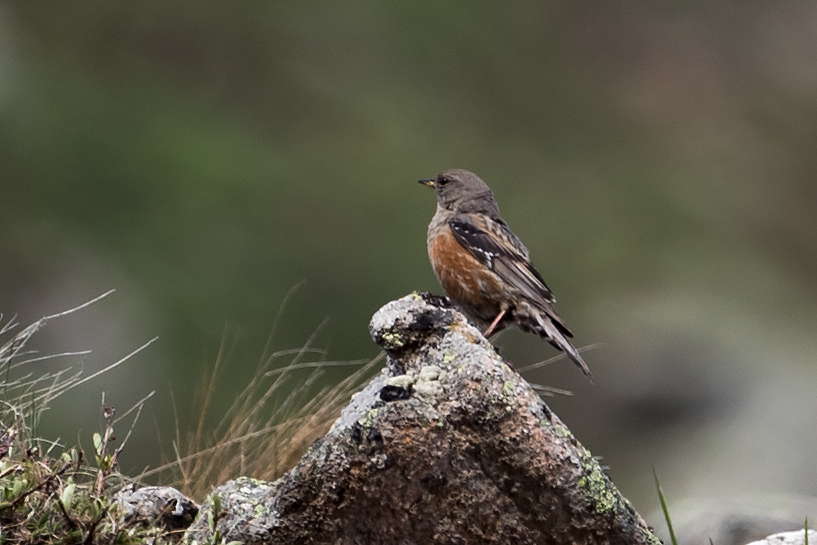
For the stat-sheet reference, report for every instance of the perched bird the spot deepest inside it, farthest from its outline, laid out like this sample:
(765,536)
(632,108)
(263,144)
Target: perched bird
(484,268)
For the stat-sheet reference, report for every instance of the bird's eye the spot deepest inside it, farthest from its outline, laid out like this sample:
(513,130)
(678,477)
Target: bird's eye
(443,180)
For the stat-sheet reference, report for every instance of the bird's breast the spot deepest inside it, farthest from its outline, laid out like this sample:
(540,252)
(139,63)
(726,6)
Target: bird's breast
(466,281)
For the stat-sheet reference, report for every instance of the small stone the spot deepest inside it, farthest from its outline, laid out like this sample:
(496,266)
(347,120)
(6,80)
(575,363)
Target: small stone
(148,503)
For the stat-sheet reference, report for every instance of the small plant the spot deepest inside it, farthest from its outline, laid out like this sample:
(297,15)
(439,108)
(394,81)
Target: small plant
(48,493)
(50,498)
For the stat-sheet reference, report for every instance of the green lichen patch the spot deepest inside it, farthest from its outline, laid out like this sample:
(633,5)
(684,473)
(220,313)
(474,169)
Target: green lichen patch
(559,429)
(597,487)
(368,419)
(393,339)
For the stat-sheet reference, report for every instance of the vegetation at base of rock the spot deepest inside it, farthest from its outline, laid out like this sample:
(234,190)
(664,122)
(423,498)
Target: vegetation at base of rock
(49,494)
(51,499)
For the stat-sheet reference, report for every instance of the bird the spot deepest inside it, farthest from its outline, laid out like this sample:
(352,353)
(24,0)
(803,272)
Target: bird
(485,269)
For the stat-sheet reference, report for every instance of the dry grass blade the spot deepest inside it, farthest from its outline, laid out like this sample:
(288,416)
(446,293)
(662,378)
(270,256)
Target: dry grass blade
(556,358)
(12,349)
(550,391)
(24,398)
(269,424)
(50,495)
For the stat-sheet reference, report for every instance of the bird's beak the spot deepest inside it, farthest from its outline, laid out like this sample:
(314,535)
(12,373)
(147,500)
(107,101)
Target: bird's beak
(428,181)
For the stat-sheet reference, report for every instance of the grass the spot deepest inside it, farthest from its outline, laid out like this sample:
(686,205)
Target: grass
(51,494)
(269,425)
(664,508)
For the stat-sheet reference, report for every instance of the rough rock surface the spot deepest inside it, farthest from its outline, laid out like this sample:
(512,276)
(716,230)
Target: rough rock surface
(152,504)
(447,445)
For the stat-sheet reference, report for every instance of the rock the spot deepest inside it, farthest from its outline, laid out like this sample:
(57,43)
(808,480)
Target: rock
(170,507)
(447,445)
(735,519)
(797,537)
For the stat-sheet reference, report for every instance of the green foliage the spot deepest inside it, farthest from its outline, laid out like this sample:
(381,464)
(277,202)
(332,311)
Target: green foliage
(48,499)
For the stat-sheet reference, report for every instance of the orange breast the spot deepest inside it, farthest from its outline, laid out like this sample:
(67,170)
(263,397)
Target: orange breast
(468,283)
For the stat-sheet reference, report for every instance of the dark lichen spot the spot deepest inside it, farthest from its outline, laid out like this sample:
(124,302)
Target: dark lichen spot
(394,393)
(435,300)
(434,319)
(375,437)
(360,434)
(546,411)
(356,435)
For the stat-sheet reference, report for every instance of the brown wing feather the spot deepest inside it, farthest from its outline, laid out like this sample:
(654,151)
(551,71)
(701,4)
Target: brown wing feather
(495,245)
(491,242)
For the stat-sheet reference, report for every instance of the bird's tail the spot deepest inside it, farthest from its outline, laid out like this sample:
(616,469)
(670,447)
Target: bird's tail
(548,330)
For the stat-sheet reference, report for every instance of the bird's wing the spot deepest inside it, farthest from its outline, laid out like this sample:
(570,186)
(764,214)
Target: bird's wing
(494,244)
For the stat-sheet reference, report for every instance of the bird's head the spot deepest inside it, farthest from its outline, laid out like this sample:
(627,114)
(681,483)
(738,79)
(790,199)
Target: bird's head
(461,191)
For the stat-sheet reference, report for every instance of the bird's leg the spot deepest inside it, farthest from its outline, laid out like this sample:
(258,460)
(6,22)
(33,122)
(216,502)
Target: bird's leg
(494,324)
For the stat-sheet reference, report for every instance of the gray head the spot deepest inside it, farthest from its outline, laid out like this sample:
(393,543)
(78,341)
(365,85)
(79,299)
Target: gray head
(462,191)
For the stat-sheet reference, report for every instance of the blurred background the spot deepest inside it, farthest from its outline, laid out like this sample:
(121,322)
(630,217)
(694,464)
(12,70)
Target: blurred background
(659,161)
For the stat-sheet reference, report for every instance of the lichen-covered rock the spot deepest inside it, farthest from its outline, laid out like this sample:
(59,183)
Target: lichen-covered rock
(239,507)
(447,445)
(150,504)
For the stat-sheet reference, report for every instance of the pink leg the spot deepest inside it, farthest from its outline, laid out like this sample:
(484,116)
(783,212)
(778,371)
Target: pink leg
(494,324)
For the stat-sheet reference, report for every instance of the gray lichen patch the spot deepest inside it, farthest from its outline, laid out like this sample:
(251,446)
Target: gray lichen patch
(430,373)
(428,383)
(156,502)
(401,381)
(408,321)
(428,389)
(244,508)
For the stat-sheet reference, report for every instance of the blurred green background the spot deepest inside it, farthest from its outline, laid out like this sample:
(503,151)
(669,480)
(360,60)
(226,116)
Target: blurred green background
(659,161)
